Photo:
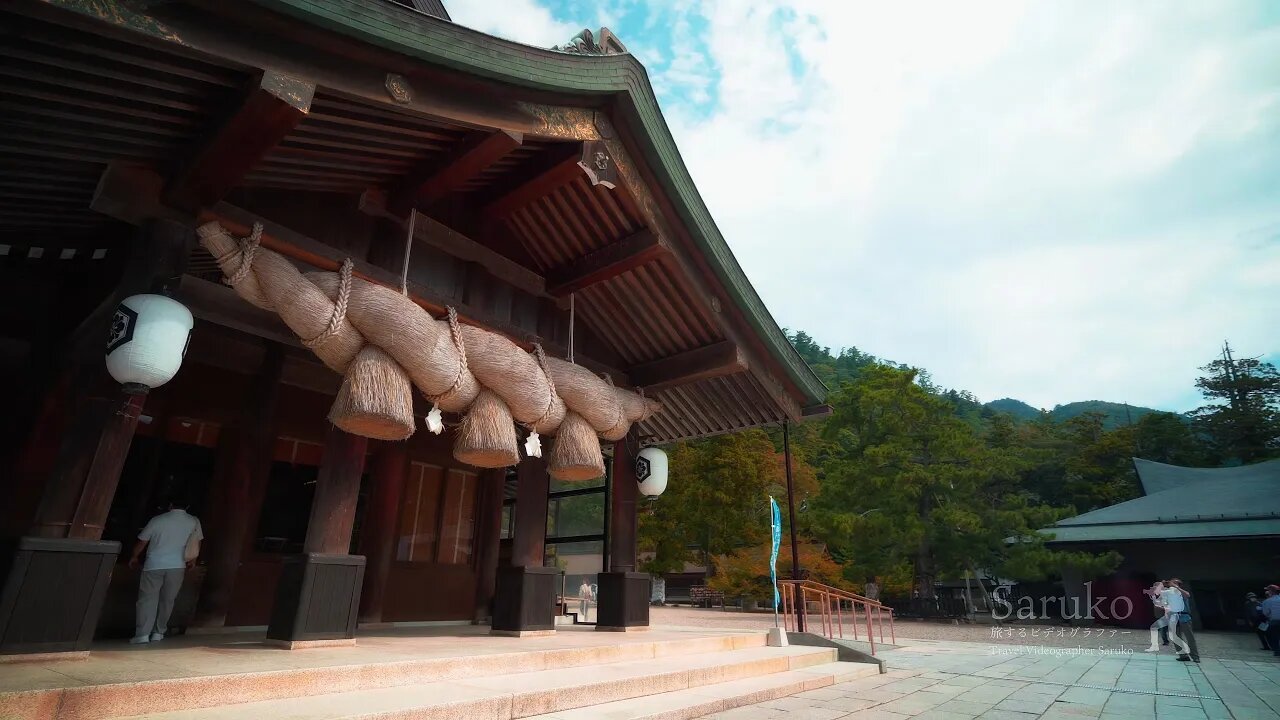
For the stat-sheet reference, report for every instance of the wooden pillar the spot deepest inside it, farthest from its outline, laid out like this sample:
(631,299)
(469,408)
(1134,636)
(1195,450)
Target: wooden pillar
(622,506)
(532,486)
(240,474)
(524,594)
(378,536)
(77,496)
(624,593)
(488,539)
(333,510)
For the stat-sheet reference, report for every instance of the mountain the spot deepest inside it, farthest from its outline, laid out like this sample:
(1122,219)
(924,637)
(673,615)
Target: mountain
(1018,409)
(1117,414)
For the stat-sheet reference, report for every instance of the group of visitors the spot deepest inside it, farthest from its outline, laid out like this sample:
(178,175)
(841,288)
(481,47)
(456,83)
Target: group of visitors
(1263,616)
(1173,619)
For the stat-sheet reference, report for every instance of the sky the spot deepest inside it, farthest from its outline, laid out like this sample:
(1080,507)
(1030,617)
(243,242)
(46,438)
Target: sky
(1052,200)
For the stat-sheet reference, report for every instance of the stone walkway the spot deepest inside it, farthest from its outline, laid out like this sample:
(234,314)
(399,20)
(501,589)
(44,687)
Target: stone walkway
(1004,681)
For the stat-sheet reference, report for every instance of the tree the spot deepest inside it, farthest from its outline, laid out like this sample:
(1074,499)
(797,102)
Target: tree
(1242,419)
(1168,438)
(1099,468)
(716,503)
(914,488)
(745,572)
(907,465)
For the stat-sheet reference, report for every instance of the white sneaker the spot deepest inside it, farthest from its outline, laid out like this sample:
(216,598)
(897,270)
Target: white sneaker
(140,640)
(157,637)
(1155,649)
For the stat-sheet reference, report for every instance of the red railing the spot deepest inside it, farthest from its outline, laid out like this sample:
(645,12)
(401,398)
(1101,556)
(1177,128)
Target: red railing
(799,595)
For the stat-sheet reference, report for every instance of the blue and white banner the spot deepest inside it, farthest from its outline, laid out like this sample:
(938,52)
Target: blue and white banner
(776,517)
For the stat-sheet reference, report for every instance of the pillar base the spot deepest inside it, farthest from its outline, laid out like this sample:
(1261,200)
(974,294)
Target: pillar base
(525,598)
(318,598)
(624,601)
(53,592)
(304,644)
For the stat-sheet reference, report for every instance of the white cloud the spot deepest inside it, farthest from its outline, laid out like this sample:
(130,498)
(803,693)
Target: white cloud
(521,20)
(1054,200)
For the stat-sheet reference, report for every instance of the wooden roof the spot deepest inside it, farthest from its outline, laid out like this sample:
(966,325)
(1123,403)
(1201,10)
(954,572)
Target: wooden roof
(660,301)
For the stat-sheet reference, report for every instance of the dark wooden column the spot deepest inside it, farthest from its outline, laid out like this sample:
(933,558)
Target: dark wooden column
(488,539)
(532,486)
(240,473)
(333,511)
(378,536)
(56,580)
(318,598)
(92,451)
(524,598)
(622,506)
(624,593)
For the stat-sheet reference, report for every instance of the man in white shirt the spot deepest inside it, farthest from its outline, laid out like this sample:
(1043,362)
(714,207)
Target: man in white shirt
(1180,632)
(165,539)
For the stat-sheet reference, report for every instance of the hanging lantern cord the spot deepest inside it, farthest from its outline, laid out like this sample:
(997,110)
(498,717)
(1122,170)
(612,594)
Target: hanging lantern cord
(571,314)
(408,250)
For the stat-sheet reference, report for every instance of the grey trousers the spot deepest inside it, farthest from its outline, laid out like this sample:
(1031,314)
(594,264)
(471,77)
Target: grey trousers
(156,593)
(1182,636)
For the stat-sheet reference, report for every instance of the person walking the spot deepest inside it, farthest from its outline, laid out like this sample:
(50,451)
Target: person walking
(585,596)
(1254,618)
(1271,616)
(1180,631)
(171,541)
(1159,628)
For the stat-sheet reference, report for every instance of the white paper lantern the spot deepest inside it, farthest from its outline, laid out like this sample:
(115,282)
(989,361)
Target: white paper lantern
(148,340)
(651,471)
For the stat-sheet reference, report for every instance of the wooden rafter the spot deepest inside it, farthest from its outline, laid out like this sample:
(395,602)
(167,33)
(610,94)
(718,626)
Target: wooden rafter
(590,159)
(431,184)
(273,107)
(436,234)
(607,262)
(710,361)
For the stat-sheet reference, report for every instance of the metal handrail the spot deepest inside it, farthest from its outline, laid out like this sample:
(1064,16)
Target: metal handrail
(796,594)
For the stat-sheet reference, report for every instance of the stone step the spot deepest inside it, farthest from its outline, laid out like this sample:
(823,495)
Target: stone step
(128,698)
(525,694)
(704,700)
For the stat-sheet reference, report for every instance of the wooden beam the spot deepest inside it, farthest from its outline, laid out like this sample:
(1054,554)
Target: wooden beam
(436,234)
(609,261)
(562,166)
(431,184)
(273,107)
(711,361)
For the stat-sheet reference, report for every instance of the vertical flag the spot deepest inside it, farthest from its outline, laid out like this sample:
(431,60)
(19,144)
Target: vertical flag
(775,516)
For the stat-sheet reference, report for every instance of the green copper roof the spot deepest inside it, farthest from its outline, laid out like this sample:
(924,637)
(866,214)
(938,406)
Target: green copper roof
(622,76)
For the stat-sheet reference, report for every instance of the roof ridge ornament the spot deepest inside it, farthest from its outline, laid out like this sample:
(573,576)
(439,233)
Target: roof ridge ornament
(585,43)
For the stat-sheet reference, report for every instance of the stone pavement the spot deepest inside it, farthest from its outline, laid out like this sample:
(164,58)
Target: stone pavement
(1002,681)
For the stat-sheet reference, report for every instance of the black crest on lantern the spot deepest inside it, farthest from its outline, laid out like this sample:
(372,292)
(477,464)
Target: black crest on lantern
(122,325)
(642,468)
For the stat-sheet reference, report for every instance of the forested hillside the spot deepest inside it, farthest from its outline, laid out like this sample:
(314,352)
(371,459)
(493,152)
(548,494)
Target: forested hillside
(911,483)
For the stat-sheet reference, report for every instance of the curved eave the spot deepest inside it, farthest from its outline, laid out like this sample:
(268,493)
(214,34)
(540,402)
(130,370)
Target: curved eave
(619,77)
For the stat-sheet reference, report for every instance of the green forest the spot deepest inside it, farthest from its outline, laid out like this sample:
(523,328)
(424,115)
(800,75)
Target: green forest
(912,483)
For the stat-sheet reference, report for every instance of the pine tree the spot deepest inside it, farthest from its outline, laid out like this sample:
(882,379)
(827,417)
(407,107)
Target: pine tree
(1242,420)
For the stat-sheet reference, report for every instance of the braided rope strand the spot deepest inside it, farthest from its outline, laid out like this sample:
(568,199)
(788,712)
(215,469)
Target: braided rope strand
(455,331)
(339,307)
(248,250)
